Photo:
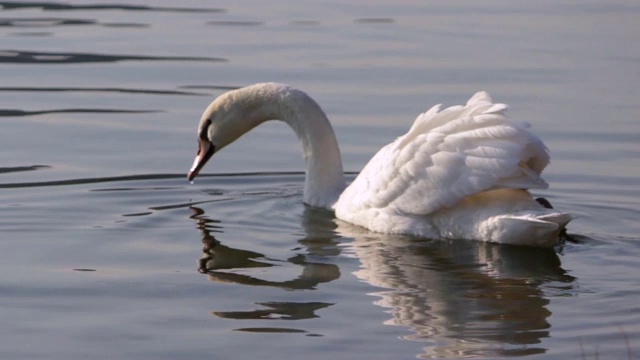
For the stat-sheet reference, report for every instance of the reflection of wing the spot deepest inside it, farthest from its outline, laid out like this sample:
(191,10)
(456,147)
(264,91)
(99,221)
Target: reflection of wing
(461,298)
(445,156)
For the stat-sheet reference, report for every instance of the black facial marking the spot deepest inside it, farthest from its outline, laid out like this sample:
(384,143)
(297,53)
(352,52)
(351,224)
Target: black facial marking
(544,202)
(204,131)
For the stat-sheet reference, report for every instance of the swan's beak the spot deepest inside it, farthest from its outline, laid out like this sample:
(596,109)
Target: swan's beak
(205,151)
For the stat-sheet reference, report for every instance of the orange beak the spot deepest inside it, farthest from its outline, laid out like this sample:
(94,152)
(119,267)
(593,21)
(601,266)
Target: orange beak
(205,151)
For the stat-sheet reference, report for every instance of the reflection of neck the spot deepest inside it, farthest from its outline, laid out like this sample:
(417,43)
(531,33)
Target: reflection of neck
(324,175)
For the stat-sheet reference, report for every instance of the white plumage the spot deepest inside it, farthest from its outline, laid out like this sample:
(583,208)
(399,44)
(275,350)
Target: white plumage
(457,173)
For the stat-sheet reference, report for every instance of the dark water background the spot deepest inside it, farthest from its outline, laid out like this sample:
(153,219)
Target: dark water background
(108,252)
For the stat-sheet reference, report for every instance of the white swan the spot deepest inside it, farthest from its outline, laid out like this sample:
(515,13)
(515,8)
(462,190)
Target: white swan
(460,173)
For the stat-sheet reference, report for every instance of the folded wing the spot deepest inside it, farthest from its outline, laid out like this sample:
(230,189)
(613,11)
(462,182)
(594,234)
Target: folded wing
(447,155)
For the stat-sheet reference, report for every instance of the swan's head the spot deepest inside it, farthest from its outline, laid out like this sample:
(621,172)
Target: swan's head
(225,120)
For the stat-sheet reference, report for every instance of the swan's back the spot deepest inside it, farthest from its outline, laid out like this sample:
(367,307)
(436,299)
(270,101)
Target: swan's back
(445,157)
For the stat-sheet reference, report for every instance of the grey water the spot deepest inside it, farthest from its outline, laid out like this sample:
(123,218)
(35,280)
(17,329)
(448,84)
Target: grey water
(106,250)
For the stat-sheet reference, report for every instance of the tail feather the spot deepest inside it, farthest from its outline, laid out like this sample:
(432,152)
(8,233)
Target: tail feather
(543,230)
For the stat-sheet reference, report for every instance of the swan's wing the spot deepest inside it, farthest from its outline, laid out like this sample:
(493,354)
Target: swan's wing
(447,155)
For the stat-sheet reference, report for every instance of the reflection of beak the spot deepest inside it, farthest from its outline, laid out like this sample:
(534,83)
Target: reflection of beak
(205,151)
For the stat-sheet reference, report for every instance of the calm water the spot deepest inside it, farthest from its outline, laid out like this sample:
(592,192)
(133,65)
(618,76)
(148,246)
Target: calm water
(108,252)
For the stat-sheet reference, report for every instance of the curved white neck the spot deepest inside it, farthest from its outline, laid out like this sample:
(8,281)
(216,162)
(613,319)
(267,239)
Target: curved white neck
(324,180)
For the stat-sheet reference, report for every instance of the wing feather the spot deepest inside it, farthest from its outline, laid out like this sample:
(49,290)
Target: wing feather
(447,155)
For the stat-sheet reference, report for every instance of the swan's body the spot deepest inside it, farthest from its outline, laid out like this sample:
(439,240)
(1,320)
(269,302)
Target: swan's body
(458,173)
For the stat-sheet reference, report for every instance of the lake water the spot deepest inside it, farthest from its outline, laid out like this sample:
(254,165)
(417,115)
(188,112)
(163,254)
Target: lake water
(107,252)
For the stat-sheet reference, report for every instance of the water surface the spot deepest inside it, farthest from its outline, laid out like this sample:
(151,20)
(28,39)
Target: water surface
(108,252)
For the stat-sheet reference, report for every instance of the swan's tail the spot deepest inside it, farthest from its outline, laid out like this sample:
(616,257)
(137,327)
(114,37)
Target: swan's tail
(539,230)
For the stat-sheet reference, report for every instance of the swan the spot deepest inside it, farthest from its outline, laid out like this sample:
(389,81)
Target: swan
(458,173)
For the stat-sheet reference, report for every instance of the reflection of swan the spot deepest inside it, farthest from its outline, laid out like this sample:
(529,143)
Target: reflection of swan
(461,299)
(458,173)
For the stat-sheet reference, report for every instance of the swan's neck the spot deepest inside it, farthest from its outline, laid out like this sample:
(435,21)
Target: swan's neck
(324,180)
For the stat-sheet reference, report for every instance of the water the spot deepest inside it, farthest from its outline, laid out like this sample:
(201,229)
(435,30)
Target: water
(109,252)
